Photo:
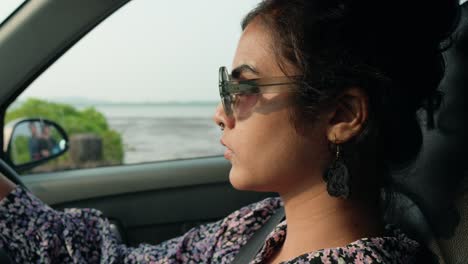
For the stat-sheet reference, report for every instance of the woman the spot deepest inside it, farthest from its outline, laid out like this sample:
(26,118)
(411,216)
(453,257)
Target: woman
(321,104)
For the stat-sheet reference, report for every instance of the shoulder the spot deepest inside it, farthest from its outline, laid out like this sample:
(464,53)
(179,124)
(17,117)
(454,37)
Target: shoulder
(396,247)
(242,223)
(237,228)
(258,212)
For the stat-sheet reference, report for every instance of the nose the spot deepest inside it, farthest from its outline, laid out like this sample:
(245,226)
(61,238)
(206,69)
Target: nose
(221,117)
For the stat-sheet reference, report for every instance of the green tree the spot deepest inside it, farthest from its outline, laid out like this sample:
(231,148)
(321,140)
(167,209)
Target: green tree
(20,153)
(74,121)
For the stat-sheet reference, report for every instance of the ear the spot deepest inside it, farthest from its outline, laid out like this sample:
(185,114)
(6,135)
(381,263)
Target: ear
(347,119)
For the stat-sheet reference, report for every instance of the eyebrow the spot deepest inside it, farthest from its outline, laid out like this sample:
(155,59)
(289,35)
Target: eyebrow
(238,71)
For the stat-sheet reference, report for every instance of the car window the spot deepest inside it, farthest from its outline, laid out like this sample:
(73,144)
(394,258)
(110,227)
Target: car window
(142,84)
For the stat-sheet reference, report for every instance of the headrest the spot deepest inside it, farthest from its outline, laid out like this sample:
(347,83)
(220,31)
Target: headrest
(435,179)
(433,188)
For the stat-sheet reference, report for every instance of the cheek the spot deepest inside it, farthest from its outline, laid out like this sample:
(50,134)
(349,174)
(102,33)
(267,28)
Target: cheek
(270,155)
(244,104)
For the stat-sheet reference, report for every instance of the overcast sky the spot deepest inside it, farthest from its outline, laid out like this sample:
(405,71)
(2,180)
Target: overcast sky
(149,50)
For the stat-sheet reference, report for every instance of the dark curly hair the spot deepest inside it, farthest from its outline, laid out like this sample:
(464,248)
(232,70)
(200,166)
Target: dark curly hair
(390,49)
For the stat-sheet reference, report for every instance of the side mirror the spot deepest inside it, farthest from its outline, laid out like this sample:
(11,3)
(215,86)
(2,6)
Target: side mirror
(33,141)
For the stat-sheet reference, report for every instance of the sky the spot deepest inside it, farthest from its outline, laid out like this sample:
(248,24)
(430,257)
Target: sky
(8,6)
(148,51)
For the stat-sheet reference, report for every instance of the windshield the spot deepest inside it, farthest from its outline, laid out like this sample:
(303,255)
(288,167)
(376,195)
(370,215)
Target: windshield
(7,7)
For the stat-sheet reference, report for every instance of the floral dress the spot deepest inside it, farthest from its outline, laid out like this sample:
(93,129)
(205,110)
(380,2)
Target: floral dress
(32,232)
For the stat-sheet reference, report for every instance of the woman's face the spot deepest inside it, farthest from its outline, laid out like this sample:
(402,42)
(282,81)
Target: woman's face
(262,144)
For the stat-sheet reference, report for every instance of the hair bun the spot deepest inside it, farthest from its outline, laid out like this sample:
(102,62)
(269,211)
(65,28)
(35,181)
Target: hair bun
(402,39)
(418,21)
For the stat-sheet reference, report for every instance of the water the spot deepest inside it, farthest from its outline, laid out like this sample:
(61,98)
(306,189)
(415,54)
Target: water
(153,132)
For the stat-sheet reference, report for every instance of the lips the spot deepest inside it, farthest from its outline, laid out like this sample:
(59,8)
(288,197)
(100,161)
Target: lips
(228,153)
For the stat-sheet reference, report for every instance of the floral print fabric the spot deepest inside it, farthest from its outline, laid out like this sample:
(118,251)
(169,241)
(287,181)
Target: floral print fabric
(32,232)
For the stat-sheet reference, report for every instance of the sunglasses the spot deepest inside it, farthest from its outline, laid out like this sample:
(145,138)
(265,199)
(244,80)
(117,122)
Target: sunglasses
(242,94)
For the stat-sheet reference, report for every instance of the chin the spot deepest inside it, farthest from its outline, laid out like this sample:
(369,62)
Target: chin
(238,181)
(242,180)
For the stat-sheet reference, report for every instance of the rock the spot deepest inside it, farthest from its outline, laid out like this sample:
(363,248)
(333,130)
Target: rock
(85,148)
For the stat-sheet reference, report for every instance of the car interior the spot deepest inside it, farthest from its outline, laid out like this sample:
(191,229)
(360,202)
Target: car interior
(433,202)
(153,202)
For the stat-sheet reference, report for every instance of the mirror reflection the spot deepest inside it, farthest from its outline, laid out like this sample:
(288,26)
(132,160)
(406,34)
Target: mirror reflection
(35,140)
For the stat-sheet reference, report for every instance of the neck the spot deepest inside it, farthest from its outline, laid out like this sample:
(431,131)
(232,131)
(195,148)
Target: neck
(316,220)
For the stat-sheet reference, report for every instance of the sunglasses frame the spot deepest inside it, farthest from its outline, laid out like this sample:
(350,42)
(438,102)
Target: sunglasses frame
(229,89)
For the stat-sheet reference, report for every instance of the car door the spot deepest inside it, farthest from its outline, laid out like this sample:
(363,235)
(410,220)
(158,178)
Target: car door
(138,78)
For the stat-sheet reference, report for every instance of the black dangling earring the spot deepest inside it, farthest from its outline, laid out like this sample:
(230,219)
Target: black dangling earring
(337,175)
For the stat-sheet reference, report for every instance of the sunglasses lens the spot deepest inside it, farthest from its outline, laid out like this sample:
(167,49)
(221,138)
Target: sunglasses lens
(225,96)
(227,103)
(223,74)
